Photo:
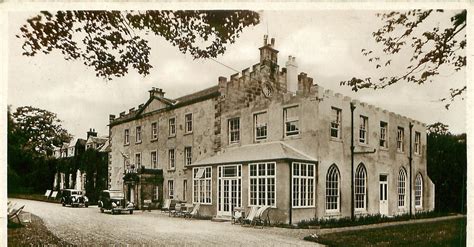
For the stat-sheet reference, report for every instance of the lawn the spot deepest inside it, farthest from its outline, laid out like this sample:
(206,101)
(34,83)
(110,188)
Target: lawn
(34,233)
(441,233)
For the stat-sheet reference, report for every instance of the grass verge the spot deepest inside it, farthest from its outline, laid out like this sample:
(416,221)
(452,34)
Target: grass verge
(35,197)
(34,233)
(450,232)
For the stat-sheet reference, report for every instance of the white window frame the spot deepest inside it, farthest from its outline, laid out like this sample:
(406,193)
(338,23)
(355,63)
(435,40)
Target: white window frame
(334,168)
(220,177)
(138,134)
(205,176)
(172,126)
(360,183)
(171,159)
(336,123)
(400,139)
(156,193)
(402,188)
(154,163)
(171,189)
(260,127)
(188,123)
(126,136)
(266,177)
(138,162)
(185,188)
(233,130)
(419,191)
(289,121)
(307,189)
(363,129)
(383,139)
(154,131)
(417,142)
(188,158)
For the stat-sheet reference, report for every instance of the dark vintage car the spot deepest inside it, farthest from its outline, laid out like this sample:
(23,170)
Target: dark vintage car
(114,200)
(74,198)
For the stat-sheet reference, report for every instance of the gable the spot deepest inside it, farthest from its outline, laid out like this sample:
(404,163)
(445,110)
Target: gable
(153,105)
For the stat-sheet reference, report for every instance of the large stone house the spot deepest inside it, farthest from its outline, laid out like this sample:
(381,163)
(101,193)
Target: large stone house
(74,148)
(270,136)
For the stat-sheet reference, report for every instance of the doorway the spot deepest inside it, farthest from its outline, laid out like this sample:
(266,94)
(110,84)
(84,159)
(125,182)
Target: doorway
(383,187)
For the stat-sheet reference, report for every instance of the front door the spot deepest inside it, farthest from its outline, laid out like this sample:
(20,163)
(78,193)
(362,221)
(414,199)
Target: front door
(383,194)
(229,189)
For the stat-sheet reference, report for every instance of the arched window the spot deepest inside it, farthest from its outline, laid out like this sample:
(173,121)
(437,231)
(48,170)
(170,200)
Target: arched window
(360,187)
(332,189)
(402,177)
(419,191)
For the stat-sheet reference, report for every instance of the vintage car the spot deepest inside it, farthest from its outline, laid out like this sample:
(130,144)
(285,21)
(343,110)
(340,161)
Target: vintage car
(74,198)
(114,200)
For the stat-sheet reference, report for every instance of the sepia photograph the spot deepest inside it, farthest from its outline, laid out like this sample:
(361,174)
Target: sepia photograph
(223,125)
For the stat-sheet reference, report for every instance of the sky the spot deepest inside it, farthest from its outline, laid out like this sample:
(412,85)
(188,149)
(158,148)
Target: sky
(326,44)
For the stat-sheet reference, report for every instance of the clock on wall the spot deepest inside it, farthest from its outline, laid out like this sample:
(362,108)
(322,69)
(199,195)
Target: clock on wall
(267,90)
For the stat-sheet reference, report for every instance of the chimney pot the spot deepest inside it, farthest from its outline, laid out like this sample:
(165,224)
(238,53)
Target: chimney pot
(265,38)
(273,42)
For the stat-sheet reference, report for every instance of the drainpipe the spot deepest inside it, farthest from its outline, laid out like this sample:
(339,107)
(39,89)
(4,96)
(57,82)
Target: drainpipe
(291,193)
(352,160)
(410,159)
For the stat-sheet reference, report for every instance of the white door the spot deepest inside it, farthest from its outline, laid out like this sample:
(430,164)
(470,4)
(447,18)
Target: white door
(230,188)
(383,194)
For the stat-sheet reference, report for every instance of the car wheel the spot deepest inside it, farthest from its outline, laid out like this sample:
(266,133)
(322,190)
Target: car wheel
(86,206)
(101,210)
(64,204)
(131,211)
(113,211)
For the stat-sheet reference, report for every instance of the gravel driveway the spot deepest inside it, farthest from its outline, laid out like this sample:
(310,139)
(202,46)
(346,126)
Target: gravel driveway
(87,226)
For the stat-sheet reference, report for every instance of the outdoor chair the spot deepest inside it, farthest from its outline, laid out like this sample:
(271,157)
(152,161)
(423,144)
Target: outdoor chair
(15,213)
(176,211)
(48,193)
(250,216)
(259,219)
(166,205)
(54,194)
(194,212)
(237,216)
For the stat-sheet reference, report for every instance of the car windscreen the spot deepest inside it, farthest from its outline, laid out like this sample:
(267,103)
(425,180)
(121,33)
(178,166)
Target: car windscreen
(116,194)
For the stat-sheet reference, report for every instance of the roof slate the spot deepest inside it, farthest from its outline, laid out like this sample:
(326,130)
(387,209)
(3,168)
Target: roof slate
(256,152)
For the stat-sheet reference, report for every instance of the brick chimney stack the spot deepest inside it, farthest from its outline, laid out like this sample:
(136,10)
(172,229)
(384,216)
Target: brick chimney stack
(156,92)
(91,132)
(291,74)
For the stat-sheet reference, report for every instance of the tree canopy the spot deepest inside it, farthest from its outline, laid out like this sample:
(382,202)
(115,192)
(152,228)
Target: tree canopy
(447,167)
(111,41)
(432,48)
(35,130)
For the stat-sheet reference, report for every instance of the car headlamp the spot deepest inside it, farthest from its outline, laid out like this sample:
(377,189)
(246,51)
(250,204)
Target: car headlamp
(73,199)
(114,205)
(86,199)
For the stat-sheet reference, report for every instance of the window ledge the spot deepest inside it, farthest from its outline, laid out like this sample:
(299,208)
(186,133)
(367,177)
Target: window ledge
(138,142)
(188,133)
(336,139)
(302,207)
(363,144)
(172,136)
(127,144)
(171,169)
(332,213)
(383,148)
(291,137)
(154,139)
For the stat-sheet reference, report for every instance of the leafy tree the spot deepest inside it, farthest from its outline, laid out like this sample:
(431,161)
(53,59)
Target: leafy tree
(32,132)
(35,130)
(432,49)
(447,167)
(111,41)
